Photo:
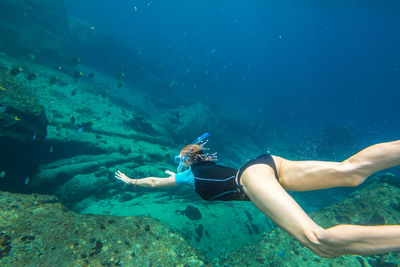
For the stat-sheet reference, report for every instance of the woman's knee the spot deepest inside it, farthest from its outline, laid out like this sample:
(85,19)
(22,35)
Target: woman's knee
(351,173)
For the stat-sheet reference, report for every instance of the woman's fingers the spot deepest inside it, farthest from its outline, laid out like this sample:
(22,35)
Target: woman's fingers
(169,172)
(119,175)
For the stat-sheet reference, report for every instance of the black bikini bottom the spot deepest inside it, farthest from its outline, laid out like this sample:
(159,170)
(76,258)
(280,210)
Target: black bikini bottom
(263,159)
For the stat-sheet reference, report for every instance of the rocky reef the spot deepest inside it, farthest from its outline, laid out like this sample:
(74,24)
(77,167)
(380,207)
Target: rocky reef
(36,230)
(23,127)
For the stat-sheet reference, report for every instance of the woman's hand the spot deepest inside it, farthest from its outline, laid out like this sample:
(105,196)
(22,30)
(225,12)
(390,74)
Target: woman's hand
(121,176)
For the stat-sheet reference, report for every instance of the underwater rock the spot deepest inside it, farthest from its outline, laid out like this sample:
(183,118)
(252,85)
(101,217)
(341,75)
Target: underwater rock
(43,24)
(140,124)
(22,116)
(23,127)
(390,179)
(36,230)
(60,171)
(192,213)
(277,248)
(81,186)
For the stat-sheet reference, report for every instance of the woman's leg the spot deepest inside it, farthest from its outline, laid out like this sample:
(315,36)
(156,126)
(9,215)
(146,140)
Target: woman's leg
(313,175)
(268,195)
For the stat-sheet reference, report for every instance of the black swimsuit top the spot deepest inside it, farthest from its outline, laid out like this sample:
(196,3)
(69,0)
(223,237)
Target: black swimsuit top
(215,182)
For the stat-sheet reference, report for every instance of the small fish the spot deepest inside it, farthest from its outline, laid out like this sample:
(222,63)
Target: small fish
(3,174)
(15,71)
(26,180)
(79,130)
(2,88)
(281,253)
(78,74)
(31,76)
(51,149)
(34,136)
(16,118)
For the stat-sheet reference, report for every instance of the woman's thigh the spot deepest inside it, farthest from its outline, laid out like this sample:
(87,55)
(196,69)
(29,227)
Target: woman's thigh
(313,175)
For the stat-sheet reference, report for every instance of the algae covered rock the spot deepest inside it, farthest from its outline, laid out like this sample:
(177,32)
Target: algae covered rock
(22,118)
(36,230)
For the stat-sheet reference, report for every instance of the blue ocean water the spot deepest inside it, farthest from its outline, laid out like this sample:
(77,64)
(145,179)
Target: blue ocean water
(297,65)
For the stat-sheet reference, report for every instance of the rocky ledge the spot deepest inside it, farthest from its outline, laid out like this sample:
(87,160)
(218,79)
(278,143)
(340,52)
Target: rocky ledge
(36,230)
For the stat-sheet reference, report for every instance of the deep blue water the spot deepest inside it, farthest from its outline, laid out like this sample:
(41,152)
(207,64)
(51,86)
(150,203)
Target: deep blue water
(298,65)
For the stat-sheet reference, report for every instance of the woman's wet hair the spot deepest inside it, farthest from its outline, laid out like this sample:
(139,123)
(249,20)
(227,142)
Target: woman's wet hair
(195,153)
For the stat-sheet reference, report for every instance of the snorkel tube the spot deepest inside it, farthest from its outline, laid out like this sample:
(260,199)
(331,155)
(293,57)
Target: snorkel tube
(181,159)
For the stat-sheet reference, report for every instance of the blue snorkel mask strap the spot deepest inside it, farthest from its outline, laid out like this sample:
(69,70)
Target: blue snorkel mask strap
(182,159)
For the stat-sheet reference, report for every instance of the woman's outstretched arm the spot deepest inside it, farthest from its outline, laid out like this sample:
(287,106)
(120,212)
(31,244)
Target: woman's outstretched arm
(148,181)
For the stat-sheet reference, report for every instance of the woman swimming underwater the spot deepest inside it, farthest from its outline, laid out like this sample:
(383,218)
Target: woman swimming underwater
(264,181)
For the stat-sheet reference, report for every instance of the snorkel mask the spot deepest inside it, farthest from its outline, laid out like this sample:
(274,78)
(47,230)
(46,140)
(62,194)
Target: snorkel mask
(182,159)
